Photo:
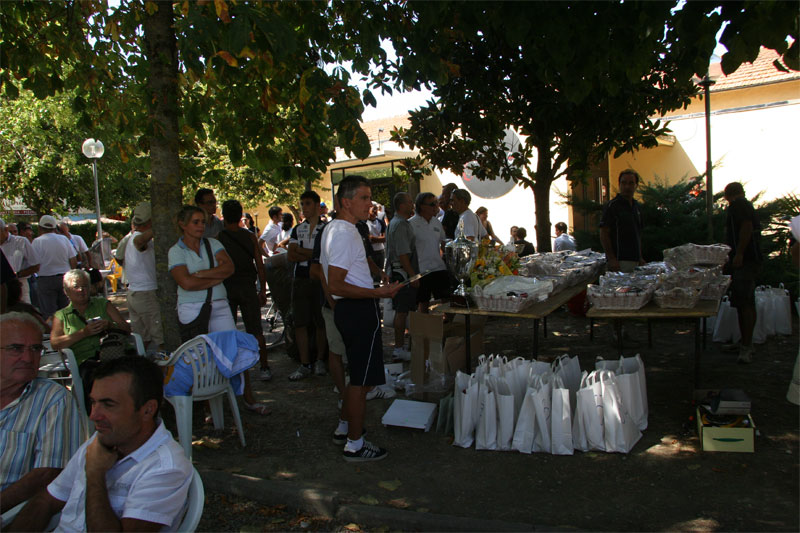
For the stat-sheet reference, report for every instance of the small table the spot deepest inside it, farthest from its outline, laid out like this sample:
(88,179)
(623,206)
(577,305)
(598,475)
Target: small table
(701,311)
(536,311)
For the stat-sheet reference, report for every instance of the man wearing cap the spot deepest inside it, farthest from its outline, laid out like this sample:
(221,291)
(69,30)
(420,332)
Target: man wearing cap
(20,255)
(77,242)
(56,257)
(140,269)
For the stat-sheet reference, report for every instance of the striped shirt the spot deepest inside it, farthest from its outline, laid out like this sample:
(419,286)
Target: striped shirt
(40,429)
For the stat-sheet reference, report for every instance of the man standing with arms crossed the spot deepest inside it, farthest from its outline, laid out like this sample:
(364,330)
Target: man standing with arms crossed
(621,226)
(344,264)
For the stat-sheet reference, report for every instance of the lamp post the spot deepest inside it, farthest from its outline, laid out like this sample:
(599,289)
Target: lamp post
(706,84)
(94,150)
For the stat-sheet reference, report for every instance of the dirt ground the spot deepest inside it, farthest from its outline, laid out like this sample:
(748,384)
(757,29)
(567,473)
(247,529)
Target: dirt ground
(665,483)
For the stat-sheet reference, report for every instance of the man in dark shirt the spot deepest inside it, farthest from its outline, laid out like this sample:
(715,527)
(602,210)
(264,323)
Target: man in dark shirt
(621,226)
(523,247)
(743,236)
(448,217)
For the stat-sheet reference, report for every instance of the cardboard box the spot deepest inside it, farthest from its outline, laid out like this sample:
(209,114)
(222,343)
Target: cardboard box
(721,439)
(409,414)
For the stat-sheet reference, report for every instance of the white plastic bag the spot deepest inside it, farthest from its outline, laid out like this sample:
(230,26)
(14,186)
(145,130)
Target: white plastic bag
(465,410)
(632,385)
(561,420)
(542,403)
(524,430)
(486,432)
(726,326)
(620,432)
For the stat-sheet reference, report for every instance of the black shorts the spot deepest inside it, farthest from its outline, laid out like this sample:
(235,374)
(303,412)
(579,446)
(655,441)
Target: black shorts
(245,297)
(307,302)
(406,298)
(435,284)
(359,323)
(743,285)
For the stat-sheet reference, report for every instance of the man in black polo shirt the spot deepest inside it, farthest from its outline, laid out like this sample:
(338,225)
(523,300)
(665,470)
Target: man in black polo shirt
(621,226)
(743,236)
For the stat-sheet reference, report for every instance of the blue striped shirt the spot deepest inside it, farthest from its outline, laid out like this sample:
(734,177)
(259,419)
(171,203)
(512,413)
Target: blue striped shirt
(40,429)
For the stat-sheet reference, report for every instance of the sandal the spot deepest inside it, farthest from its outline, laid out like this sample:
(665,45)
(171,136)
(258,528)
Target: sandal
(258,408)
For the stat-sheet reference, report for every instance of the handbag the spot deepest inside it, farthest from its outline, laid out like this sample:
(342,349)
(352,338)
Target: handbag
(199,326)
(113,345)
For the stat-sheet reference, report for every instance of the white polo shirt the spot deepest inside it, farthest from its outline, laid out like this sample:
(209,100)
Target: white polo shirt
(429,236)
(342,247)
(54,252)
(472,226)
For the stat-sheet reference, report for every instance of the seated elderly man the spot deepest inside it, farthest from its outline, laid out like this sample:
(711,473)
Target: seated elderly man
(40,422)
(131,475)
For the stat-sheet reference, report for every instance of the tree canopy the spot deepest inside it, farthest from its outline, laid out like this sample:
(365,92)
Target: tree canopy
(578,80)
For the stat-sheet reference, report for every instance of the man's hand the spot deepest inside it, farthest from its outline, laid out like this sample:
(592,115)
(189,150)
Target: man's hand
(99,458)
(387,291)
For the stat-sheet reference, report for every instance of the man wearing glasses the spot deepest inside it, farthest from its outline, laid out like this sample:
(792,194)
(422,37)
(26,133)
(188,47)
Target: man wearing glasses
(40,424)
(430,239)
(206,201)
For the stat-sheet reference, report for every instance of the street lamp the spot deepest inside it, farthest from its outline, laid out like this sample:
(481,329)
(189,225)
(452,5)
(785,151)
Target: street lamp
(94,150)
(706,84)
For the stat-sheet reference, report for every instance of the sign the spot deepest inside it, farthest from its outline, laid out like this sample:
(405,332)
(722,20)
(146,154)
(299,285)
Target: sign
(496,187)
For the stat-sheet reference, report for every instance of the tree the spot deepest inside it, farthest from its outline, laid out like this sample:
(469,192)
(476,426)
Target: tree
(41,161)
(171,77)
(577,80)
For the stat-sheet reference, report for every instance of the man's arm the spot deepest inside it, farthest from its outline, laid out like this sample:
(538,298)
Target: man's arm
(25,487)
(73,262)
(405,262)
(338,286)
(141,240)
(260,271)
(745,234)
(298,254)
(611,258)
(37,513)
(25,272)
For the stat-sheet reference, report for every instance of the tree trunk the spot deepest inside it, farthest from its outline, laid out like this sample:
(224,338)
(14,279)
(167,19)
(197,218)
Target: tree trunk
(165,183)
(541,197)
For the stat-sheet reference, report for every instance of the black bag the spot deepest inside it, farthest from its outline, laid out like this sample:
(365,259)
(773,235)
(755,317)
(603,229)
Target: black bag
(199,326)
(113,344)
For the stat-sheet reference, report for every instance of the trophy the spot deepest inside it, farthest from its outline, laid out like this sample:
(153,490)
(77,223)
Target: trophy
(461,255)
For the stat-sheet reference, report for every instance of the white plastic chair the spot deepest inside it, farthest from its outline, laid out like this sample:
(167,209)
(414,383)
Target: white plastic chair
(208,384)
(77,384)
(196,501)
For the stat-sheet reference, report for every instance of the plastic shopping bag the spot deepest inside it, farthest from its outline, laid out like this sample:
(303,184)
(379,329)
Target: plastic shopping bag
(524,430)
(621,433)
(505,412)
(589,426)
(726,325)
(632,385)
(465,409)
(560,420)
(486,433)
(782,305)
(569,369)
(542,403)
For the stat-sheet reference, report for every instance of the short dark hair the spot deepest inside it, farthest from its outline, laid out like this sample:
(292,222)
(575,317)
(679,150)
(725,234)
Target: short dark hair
(147,379)
(400,198)
(287,220)
(521,233)
(274,211)
(349,185)
(310,194)
(198,196)
(421,199)
(631,172)
(733,189)
(231,211)
(463,195)
(561,226)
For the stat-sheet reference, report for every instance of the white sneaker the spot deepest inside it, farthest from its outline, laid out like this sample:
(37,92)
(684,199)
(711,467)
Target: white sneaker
(401,354)
(380,393)
(265,374)
(301,373)
(319,368)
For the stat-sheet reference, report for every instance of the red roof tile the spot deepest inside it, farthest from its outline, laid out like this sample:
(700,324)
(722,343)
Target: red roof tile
(759,72)
(387,124)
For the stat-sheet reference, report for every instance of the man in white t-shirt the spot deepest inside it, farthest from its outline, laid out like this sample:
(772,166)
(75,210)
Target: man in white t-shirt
(21,257)
(56,257)
(270,236)
(77,242)
(140,269)
(430,239)
(473,229)
(356,313)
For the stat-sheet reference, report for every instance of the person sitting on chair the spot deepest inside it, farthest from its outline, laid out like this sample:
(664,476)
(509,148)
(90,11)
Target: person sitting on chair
(40,423)
(131,475)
